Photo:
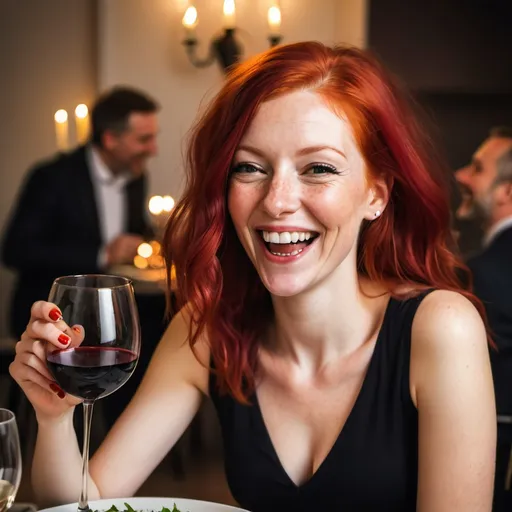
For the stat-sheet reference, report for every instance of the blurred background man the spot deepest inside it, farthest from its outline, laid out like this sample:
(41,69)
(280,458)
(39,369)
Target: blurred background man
(486,187)
(83,211)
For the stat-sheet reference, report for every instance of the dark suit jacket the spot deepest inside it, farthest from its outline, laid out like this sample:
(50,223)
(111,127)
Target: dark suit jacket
(492,273)
(54,229)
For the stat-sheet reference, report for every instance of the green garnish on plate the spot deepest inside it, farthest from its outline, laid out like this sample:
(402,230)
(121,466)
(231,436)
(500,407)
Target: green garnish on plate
(129,508)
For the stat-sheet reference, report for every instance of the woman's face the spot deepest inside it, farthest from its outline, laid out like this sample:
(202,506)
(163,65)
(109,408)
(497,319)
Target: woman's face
(298,193)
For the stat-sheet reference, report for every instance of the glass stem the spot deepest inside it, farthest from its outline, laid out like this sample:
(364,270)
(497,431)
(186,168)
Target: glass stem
(83,504)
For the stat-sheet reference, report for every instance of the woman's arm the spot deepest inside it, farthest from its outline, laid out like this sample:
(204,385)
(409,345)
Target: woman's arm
(164,405)
(451,385)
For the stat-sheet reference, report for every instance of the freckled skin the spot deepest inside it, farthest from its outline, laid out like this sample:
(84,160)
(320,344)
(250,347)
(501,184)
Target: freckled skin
(275,183)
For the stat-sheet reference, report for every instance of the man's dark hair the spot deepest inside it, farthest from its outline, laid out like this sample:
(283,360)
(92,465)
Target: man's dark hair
(113,108)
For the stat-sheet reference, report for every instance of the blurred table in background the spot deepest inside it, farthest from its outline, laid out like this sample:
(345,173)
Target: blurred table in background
(147,281)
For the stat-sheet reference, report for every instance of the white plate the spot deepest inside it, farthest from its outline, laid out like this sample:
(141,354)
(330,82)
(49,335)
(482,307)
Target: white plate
(150,505)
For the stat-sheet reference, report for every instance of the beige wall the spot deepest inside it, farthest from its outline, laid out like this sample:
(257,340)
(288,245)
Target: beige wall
(140,44)
(48,61)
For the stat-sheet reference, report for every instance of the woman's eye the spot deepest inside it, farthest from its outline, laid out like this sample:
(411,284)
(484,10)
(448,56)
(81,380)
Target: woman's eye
(245,169)
(319,169)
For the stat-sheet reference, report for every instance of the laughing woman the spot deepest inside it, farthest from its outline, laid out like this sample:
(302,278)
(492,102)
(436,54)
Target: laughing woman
(322,312)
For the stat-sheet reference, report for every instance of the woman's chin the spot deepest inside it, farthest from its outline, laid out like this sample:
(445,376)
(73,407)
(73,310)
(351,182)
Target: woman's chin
(285,287)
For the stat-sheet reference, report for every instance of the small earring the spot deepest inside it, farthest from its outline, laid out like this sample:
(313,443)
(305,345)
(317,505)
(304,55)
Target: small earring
(377,213)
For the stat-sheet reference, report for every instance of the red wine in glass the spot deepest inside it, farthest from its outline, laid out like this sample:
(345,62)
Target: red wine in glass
(91,372)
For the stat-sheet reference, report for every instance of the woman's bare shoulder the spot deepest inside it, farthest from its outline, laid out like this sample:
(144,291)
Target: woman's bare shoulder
(447,330)
(448,314)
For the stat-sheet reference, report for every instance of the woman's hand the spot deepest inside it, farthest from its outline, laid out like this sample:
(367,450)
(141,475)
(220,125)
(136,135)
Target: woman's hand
(29,368)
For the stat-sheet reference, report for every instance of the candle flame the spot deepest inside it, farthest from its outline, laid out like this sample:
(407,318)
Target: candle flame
(144,250)
(274,16)
(190,17)
(229,7)
(140,262)
(156,261)
(167,203)
(156,205)
(157,248)
(81,111)
(61,116)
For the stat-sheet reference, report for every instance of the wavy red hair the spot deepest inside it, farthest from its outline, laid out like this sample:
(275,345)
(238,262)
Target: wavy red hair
(411,244)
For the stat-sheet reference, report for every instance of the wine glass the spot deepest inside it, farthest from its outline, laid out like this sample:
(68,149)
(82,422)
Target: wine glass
(103,322)
(10,459)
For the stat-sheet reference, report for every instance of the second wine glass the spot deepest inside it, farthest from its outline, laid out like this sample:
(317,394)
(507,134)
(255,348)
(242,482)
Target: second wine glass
(103,321)
(10,459)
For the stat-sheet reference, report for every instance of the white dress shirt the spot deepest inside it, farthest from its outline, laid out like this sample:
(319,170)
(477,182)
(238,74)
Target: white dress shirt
(111,201)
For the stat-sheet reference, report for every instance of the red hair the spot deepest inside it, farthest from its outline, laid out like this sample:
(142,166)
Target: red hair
(411,244)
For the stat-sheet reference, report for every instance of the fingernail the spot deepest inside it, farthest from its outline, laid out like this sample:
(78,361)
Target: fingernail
(64,339)
(55,314)
(77,330)
(55,387)
(57,390)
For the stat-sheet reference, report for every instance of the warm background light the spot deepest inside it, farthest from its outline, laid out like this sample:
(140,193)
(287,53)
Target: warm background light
(82,123)
(156,205)
(81,111)
(149,256)
(167,203)
(61,116)
(157,248)
(144,250)
(229,13)
(229,7)
(140,262)
(274,19)
(61,130)
(190,17)
(156,261)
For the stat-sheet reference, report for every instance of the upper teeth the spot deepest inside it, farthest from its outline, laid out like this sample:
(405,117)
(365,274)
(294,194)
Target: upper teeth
(286,237)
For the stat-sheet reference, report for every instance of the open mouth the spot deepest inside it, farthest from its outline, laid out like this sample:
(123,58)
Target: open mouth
(287,243)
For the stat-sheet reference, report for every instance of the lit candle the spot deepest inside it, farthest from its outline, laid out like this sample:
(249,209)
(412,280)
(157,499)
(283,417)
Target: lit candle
(167,203)
(157,248)
(156,205)
(274,20)
(145,250)
(61,130)
(190,22)
(229,14)
(140,262)
(82,123)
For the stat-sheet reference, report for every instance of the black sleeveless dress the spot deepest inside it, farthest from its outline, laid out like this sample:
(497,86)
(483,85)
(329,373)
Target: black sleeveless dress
(373,465)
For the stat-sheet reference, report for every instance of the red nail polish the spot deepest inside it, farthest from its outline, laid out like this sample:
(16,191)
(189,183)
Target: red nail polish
(55,388)
(55,315)
(64,339)
(77,330)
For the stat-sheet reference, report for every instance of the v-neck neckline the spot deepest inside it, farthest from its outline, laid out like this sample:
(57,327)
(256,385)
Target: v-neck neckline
(362,391)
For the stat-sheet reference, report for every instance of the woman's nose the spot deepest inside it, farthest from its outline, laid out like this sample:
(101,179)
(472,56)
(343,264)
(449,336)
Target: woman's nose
(282,196)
